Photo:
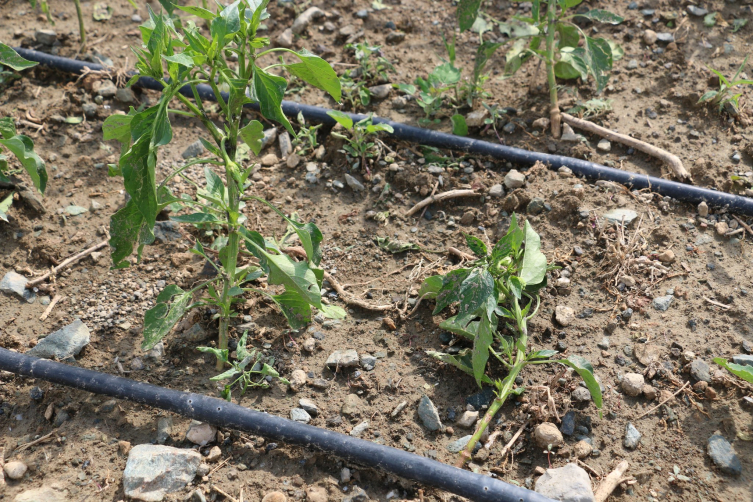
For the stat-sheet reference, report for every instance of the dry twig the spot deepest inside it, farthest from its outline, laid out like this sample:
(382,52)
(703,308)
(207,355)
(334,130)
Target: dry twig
(354,301)
(659,405)
(65,263)
(223,493)
(721,305)
(49,308)
(511,441)
(452,194)
(33,443)
(674,162)
(613,479)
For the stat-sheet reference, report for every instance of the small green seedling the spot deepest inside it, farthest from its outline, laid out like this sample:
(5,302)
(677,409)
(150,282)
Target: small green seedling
(306,140)
(723,98)
(500,285)
(373,65)
(19,145)
(355,93)
(249,369)
(230,57)
(361,144)
(554,39)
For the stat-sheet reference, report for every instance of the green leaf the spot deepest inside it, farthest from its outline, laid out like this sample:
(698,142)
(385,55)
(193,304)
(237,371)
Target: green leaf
(459,127)
(317,72)
(10,58)
(569,35)
(269,91)
(127,226)
(182,59)
(5,207)
(533,269)
(215,187)
(430,287)
(516,286)
(197,11)
(510,243)
(220,354)
(23,148)
(709,20)
(476,245)
(586,372)
(196,218)
(743,371)
(602,16)
(407,88)
(446,73)
(7,127)
(461,362)
(483,53)
(171,304)
(341,118)
(253,134)
(618,52)
(295,308)
(707,96)
(599,57)
(738,24)
(541,354)
(482,342)
(117,127)
(450,292)
(467,13)
(475,291)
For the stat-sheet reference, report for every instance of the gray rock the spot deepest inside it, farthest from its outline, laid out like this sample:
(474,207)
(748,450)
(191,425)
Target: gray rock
(497,191)
(745,360)
(569,135)
(481,399)
(697,11)
(467,419)
(724,456)
(380,91)
(700,370)
(354,183)
(581,395)
(164,427)
(126,96)
(309,406)
(136,18)
(13,283)
(351,405)
(604,145)
(201,433)
(107,89)
(662,303)
(632,436)
(359,429)
(616,215)
(665,37)
(428,414)
(458,445)
(358,495)
(285,39)
(564,315)
(476,118)
(45,37)
(604,343)
(286,146)
(300,415)
(166,231)
(343,359)
(568,423)
(302,22)
(368,362)
(193,150)
(569,483)
(90,109)
(153,471)
(514,179)
(63,343)
(394,37)
(196,333)
(270,135)
(536,206)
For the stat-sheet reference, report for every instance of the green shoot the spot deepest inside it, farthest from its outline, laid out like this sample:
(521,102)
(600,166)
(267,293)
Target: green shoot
(361,143)
(723,98)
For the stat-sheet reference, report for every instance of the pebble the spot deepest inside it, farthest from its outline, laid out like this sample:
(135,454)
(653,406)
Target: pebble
(351,405)
(343,359)
(309,345)
(547,434)
(467,419)
(309,406)
(107,89)
(458,445)
(569,483)
(304,19)
(359,429)
(153,471)
(514,179)
(275,497)
(297,380)
(269,159)
(394,37)
(354,184)
(580,395)
(428,414)
(497,191)
(46,37)
(200,433)
(90,109)
(126,96)
(703,209)
(541,123)
(214,454)
(665,37)
(742,359)
(564,315)
(476,118)
(721,452)
(582,449)
(14,283)
(632,436)
(568,423)
(662,303)
(368,362)
(316,494)
(569,135)
(697,11)
(649,37)
(64,343)
(136,18)
(604,145)
(398,409)
(649,392)
(618,215)
(536,206)
(666,256)
(632,384)
(700,370)
(15,469)
(193,150)
(380,91)
(300,415)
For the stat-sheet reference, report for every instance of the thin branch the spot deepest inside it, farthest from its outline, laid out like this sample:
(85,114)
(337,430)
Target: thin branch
(659,405)
(49,308)
(721,305)
(354,301)
(65,263)
(613,479)
(673,160)
(510,442)
(452,194)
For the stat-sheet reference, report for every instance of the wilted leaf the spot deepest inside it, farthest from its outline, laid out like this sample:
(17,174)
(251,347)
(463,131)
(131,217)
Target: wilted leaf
(5,206)
(395,246)
(170,305)
(533,269)
(102,12)
(75,210)
(602,16)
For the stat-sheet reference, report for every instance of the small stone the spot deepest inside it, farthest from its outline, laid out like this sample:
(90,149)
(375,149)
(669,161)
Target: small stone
(568,423)
(619,215)
(316,494)
(398,409)
(300,415)
(293,160)
(345,475)
(541,123)
(700,387)
(467,419)
(514,179)
(649,392)
(107,406)
(309,406)
(309,345)
(64,343)
(724,456)
(665,37)
(721,228)
(662,303)
(136,18)
(269,160)
(343,359)
(476,118)
(126,96)
(15,469)
(351,405)
(270,135)
(359,429)
(632,436)
(193,150)
(214,454)
(124,447)
(703,209)
(368,362)
(604,145)
(700,370)
(697,11)
(107,89)
(203,470)
(536,206)
(569,483)
(297,380)
(153,471)
(200,433)
(564,315)
(582,449)
(649,37)
(304,19)
(580,395)
(632,384)
(394,37)
(46,37)
(547,434)
(428,414)
(90,110)
(497,191)
(380,91)
(569,135)
(666,256)
(45,494)
(458,445)
(467,218)
(14,283)
(354,184)
(275,497)
(743,359)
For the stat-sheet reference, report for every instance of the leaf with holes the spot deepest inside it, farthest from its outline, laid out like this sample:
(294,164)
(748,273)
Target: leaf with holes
(171,304)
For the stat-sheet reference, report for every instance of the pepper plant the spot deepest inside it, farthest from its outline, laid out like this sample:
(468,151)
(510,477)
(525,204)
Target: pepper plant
(553,38)
(500,285)
(180,57)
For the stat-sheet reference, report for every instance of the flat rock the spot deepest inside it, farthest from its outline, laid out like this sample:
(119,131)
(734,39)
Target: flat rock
(467,419)
(569,483)
(497,191)
(604,145)
(580,395)
(569,135)
(458,445)
(368,362)
(632,384)
(63,343)
(721,452)
(564,315)
(476,118)
(700,370)
(193,150)
(300,415)
(662,303)
(15,469)
(286,146)
(270,135)
(354,184)
(44,494)
(200,433)
(568,423)
(285,39)
(343,359)
(743,359)
(428,414)
(632,436)
(514,179)
(46,37)
(269,159)
(14,283)
(153,471)
(646,353)
(359,429)
(380,91)
(309,406)
(351,405)
(616,215)
(297,380)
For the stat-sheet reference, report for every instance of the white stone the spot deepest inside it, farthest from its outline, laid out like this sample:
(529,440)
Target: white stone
(514,179)
(153,471)
(567,484)
(632,384)
(200,433)
(564,315)
(467,419)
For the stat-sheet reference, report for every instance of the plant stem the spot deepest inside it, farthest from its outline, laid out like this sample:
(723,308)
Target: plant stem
(554,109)
(81,27)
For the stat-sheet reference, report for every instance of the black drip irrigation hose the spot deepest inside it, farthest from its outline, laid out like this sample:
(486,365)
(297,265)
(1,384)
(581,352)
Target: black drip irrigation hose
(217,412)
(589,170)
